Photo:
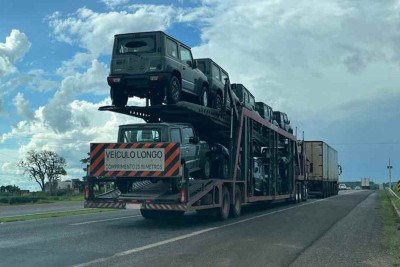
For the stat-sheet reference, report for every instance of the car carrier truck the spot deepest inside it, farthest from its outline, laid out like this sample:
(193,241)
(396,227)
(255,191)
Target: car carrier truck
(323,169)
(265,163)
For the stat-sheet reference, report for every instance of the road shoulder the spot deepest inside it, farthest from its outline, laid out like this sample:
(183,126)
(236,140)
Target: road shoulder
(353,241)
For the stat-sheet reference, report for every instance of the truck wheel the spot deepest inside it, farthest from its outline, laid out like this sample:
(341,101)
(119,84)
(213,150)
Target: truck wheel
(174,91)
(223,211)
(204,97)
(118,98)
(218,102)
(236,208)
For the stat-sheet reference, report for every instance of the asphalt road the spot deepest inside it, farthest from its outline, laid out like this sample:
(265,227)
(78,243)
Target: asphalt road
(343,230)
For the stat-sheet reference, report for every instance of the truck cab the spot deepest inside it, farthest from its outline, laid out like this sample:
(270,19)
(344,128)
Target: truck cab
(283,121)
(155,66)
(194,153)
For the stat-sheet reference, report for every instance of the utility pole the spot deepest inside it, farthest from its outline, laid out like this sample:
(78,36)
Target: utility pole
(390,167)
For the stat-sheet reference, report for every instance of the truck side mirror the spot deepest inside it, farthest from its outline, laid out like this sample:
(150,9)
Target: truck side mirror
(194,64)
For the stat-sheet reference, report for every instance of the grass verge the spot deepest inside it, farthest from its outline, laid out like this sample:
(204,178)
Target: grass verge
(391,224)
(51,215)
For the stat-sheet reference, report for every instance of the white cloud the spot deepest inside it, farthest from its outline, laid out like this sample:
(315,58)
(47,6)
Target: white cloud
(112,4)
(22,106)
(300,56)
(13,49)
(95,31)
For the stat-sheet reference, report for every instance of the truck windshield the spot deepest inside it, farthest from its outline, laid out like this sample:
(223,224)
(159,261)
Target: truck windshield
(141,135)
(145,44)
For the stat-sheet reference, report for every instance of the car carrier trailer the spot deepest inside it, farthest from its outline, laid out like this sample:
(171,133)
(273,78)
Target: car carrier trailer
(266,163)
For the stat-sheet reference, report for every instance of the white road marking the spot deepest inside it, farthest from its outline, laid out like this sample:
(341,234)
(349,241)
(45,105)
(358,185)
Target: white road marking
(105,220)
(174,239)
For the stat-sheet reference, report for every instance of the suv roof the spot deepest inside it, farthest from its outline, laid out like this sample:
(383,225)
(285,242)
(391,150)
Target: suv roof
(209,59)
(159,32)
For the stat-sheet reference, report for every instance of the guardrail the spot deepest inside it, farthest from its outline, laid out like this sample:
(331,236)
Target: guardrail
(391,200)
(393,193)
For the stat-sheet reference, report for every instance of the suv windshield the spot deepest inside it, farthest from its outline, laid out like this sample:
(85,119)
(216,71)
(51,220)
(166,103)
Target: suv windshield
(144,44)
(141,135)
(201,65)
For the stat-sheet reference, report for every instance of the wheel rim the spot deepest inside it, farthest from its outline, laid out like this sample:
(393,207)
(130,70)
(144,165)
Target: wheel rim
(225,207)
(237,203)
(225,169)
(218,102)
(205,98)
(175,90)
(207,168)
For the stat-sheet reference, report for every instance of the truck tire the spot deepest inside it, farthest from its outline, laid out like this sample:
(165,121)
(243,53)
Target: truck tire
(118,97)
(174,91)
(236,208)
(223,211)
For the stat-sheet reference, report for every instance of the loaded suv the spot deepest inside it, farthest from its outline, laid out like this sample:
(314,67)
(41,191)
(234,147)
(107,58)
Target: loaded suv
(266,112)
(195,154)
(246,98)
(216,77)
(155,66)
(283,121)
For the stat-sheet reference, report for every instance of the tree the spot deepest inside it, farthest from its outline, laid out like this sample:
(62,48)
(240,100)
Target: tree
(43,166)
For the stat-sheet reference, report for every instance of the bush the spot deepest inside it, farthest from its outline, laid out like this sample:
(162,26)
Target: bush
(22,200)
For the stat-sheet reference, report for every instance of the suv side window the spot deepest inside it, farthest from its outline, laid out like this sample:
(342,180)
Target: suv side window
(172,48)
(176,135)
(187,133)
(185,54)
(224,75)
(215,72)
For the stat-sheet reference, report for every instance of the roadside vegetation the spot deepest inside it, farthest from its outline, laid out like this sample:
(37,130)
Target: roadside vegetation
(37,198)
(391,224)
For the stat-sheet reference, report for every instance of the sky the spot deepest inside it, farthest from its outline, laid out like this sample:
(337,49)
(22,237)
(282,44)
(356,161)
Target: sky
(332,66)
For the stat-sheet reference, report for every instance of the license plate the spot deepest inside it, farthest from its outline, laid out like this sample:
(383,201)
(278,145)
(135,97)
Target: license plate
(131,206)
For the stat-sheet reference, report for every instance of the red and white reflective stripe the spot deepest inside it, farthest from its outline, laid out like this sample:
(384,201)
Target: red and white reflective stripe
(163,207)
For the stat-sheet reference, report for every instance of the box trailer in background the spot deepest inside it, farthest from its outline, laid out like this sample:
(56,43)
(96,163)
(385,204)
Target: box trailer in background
(365,183)
(322,162)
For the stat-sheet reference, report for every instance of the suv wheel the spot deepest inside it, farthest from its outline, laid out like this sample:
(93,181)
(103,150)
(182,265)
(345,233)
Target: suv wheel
(204,97)
(218,102)
(174,91)
(118,98)
(206,170)
(225,169)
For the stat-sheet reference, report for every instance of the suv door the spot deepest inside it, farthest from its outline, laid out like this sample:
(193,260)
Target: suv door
(191,150)
(187,71)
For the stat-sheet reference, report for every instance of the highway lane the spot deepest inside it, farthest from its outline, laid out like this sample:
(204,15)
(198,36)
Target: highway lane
(276,235)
